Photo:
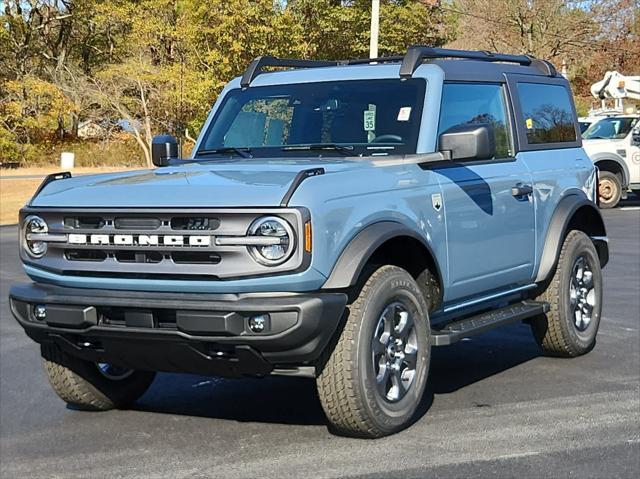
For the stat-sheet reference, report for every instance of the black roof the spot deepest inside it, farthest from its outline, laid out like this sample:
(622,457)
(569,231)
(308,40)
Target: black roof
(457,64)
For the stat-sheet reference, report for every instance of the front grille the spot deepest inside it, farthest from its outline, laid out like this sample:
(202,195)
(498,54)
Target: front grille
(147,243)
(85,255)
(145,224)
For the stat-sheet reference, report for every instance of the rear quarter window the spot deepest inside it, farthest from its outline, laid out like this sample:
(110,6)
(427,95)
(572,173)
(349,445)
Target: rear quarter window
(547,113)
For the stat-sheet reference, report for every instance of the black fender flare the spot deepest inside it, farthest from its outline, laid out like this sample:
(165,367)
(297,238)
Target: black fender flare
(562,216)
(354,257)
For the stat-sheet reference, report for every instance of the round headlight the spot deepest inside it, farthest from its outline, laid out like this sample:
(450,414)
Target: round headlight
(35,225)
(277,229)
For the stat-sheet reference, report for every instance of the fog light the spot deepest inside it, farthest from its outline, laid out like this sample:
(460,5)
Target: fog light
(40,312)
(260,323)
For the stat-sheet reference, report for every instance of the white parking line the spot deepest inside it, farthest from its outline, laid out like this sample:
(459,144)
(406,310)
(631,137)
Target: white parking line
(630,208)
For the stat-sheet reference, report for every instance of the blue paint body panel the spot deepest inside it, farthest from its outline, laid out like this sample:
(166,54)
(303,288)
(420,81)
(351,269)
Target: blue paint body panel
(482,237)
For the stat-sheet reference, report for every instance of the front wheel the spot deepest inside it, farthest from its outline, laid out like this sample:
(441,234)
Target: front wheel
(92,386)
(375,375)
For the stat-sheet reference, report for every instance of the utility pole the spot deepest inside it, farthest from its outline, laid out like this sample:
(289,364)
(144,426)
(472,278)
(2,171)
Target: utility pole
(375,26)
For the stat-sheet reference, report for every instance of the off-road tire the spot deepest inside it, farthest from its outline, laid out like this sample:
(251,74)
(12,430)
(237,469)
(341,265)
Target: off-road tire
(614,185)
(80,384)
(556,332)
(347,381)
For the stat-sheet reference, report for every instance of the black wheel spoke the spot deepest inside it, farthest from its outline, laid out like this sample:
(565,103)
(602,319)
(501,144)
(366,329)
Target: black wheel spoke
(394,351)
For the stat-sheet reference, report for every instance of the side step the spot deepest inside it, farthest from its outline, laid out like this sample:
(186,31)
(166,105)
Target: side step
(480,323)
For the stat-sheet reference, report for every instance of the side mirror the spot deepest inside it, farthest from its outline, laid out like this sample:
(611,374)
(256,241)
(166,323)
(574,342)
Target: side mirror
(468,142)
(635,138)
(163,149)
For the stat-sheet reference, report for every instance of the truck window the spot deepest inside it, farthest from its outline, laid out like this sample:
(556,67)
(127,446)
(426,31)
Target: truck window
(464,103)
(614,128)
(547,112)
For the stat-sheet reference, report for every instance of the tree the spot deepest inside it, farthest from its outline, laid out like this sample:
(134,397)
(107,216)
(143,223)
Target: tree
(340,30)
(549,29)
(26,119)
(590,36)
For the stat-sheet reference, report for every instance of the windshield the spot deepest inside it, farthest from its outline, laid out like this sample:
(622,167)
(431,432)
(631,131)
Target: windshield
(584,125)
(610,128)
(368,117)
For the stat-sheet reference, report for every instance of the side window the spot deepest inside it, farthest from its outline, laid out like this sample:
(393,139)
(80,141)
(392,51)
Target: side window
(464,103)
(548,114)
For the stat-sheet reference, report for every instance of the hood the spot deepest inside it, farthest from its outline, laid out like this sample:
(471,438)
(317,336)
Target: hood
(218,183)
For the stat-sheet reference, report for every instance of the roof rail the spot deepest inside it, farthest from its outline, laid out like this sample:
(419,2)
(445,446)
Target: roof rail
(410,62)
(416,54)
(256,66)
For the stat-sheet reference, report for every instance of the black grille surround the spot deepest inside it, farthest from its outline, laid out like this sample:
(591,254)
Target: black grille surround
(147,243)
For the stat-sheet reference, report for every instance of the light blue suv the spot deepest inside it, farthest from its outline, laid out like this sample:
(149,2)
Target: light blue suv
(336,221)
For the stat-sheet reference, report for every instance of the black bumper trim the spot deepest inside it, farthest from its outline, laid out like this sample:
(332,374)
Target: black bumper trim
(221,346)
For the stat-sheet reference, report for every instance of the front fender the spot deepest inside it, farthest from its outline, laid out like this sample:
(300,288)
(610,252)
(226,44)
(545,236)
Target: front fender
(354,257)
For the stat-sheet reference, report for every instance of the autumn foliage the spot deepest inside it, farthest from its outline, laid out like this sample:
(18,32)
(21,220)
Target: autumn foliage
(158,65)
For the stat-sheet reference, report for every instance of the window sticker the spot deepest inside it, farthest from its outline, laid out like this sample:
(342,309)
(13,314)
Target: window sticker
(529,123)
(369,120)
(404,113)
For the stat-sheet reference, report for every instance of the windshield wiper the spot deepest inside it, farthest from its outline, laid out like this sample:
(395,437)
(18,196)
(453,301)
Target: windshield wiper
(243,151)
(347,150)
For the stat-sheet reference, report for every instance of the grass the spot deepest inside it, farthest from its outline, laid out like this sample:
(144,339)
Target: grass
(13,195)
(15,192)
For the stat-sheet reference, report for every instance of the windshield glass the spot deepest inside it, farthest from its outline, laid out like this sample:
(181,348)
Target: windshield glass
(610,128)
(354,117)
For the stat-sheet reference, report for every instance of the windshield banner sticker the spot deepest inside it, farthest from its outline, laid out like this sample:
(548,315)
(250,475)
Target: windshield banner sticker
(404,113)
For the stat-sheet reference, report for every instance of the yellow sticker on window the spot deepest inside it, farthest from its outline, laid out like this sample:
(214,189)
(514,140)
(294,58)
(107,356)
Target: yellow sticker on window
(529,123)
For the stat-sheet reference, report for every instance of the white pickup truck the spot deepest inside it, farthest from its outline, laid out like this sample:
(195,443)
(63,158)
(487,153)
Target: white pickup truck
(613,144)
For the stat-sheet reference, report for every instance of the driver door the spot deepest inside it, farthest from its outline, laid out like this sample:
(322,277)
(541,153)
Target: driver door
(490,232)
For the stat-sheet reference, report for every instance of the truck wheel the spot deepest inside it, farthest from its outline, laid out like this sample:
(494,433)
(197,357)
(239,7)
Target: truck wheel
(575,295)
(375,374)
(90,386)
(609,189)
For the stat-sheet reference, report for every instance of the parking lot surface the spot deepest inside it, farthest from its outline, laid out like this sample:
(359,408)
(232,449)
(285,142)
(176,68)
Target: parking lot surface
(495,407)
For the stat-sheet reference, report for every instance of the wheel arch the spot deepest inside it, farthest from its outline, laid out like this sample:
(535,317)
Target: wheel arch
(614,163)
(396,243)
(573,212)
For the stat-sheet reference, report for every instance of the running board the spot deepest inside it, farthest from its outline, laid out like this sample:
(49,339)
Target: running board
(480,323)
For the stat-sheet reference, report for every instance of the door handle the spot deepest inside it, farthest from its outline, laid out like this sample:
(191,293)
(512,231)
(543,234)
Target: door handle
(521,190)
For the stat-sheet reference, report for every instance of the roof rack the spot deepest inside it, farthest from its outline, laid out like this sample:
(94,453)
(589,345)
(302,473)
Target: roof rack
(256,66)
(417,53)
(410,61)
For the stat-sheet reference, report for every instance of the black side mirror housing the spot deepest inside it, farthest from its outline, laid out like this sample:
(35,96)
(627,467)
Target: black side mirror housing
(635,138)
(469,141)
(163,149)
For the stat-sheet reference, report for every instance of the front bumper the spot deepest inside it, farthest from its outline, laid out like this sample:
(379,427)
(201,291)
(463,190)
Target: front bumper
(181,332)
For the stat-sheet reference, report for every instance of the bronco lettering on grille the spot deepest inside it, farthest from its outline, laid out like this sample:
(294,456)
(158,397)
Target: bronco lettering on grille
(139,240)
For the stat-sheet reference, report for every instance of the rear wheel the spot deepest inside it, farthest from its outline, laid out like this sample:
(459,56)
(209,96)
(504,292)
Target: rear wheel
(374,377)
(575,297)
(93,386)
(609,189)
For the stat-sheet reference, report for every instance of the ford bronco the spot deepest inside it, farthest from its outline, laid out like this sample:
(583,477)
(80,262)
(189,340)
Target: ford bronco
(336,220)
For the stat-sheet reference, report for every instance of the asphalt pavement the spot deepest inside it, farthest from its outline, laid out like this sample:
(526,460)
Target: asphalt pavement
(495,407)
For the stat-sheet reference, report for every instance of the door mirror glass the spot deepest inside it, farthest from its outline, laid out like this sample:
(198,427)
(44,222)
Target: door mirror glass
(468,142)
